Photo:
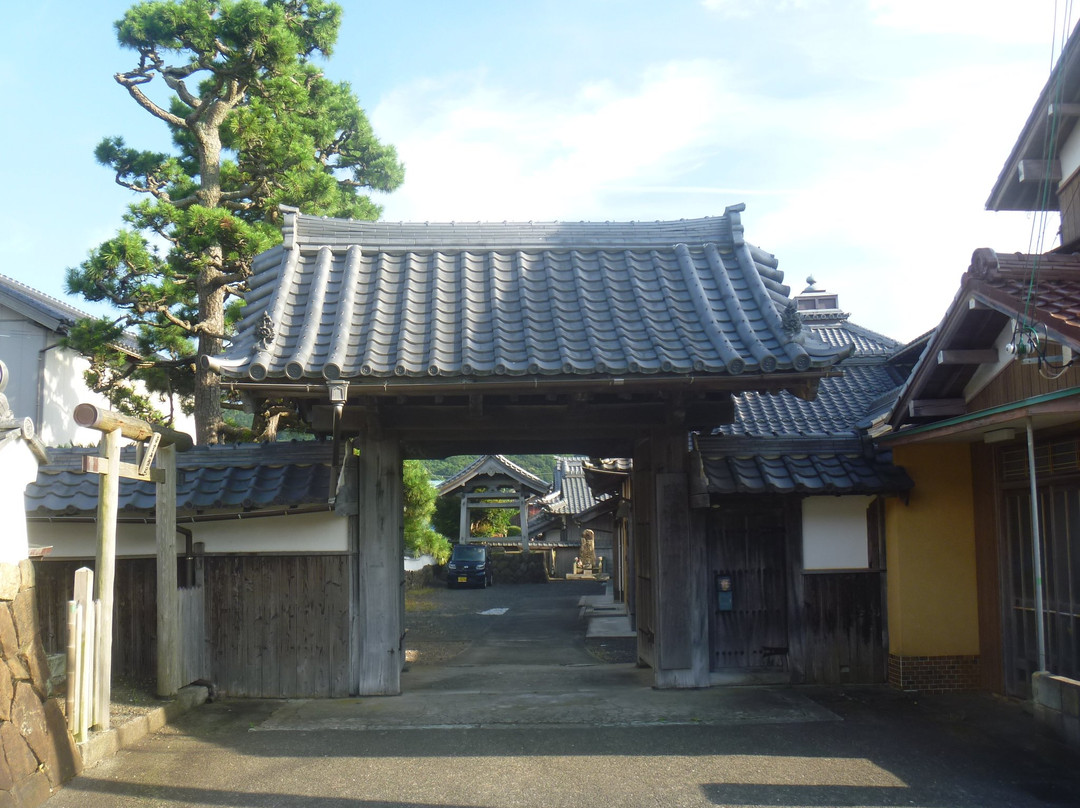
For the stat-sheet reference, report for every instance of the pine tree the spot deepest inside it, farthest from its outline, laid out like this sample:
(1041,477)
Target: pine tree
(254,124)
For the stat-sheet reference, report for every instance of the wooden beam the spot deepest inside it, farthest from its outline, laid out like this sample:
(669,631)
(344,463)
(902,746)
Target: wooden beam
(1063,110)
(616,419)
(1039,171)
(937,407)
(971,356)
(91,417)
(93,464)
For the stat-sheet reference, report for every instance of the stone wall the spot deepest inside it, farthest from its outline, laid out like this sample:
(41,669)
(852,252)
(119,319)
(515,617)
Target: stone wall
(38,752)
(421,578)
(519,568)
(1057,705)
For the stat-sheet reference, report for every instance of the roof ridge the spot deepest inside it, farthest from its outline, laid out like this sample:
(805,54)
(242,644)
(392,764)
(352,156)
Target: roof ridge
(43,297)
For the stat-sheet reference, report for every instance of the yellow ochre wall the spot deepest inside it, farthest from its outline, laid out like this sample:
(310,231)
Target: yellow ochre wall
(930,552)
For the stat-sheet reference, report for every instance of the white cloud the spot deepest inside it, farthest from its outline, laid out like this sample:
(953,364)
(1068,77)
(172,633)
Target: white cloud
(1032,21)
(475,151)
(876,184)
(743,9)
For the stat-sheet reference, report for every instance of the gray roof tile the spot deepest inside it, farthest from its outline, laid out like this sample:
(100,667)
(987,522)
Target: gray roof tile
(798,467)
(841,402)
(227,477)
(571,494)
(46,310)
(366,301)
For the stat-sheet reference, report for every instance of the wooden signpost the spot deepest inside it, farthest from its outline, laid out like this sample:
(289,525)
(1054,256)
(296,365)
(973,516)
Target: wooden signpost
(153,442)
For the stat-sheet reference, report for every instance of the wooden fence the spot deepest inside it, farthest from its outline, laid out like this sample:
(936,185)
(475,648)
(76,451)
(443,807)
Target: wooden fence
(278,626)
(844,625)
(134,650)
(192,635)
(261,626)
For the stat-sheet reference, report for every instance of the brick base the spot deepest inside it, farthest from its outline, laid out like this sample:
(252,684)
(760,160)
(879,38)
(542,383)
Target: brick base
(938,674)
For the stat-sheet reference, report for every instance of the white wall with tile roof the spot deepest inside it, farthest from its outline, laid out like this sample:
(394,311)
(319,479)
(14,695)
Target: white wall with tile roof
(300,534)
(47,382)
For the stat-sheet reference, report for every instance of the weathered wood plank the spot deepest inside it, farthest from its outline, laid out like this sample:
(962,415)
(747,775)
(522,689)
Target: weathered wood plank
(339,621)
(168,619)
(673,602)
(380,552)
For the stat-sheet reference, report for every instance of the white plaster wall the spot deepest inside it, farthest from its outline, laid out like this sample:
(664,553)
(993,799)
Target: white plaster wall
(834,533)
(303,533)
(1070,155)
(21,342)
(64,389)
(18,468)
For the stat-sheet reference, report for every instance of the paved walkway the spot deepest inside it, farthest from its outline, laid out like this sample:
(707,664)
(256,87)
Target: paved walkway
(550,726)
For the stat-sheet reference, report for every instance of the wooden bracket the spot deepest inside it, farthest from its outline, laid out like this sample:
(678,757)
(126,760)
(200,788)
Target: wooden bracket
(148,450)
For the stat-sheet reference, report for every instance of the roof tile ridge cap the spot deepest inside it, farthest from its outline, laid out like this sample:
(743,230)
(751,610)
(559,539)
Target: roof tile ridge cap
(731,213)
(44,296)
(862,329)
(524,472)
(290,226)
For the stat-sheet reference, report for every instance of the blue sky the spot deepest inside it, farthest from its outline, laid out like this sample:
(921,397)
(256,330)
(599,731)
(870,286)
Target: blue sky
(863,135)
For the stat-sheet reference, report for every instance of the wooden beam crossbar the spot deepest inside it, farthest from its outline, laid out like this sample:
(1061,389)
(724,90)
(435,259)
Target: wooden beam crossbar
(937,407)
(95,464)
(971,356)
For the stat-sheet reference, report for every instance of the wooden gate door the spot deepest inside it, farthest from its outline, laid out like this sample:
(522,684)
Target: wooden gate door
(747,550)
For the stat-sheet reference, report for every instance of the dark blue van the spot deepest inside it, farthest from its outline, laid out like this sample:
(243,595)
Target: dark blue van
(469,564)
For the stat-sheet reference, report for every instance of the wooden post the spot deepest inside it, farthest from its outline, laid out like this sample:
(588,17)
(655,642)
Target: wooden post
(168,606)
(105,572)
(380,586)
(463,520)
(523,507)
(81,677)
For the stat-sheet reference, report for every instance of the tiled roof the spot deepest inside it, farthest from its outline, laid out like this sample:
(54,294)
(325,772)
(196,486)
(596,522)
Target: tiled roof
(213,478)
(998,291)
(371,301)
(799,467)
(488,465)
(782,444)
(570,494)
(1047,283)
(843,334)
(841,402)
(47,311)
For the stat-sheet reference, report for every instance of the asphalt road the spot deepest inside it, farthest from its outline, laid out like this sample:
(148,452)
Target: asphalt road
(512,710)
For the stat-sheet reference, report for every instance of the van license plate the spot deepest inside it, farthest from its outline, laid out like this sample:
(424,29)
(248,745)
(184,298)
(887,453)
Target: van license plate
(462,579)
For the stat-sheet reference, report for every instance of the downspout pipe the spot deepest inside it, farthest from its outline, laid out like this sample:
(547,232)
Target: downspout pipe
(1036,550)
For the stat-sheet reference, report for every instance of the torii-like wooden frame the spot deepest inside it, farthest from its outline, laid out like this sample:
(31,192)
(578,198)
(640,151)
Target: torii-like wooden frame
(150,439)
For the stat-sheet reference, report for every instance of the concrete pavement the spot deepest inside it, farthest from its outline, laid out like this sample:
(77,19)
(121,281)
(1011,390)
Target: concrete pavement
(527,716)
